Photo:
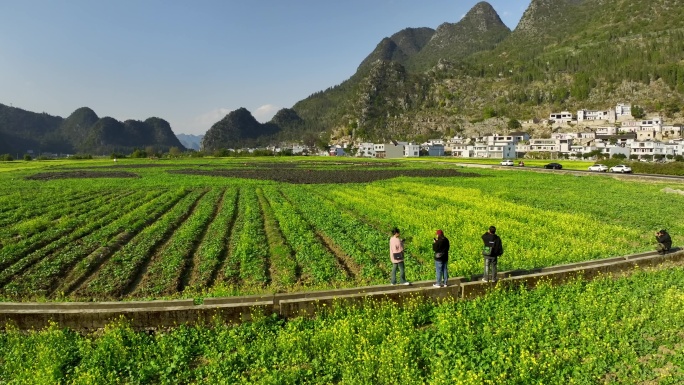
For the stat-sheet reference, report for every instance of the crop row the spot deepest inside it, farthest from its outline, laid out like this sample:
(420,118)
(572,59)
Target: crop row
(364,245)
(283,266)
(318,264)
(120,272)
(16,258)
(27,235)
(37,272)
(19,208)
(168,266)
(212,251)
(251,247)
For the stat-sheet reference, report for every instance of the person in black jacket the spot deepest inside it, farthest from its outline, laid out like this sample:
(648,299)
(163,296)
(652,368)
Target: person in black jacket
(440,246)
(664,241)
(491,252)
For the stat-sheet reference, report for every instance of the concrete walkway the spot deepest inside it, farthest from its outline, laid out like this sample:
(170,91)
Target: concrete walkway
(89,316)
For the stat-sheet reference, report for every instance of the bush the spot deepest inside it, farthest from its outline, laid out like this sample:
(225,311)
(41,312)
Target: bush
(27,157)
(6,158)
(81,156)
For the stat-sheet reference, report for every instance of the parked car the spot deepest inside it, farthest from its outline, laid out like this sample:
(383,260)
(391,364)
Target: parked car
(506,162)
(599,168)
(554,166)
(621,168)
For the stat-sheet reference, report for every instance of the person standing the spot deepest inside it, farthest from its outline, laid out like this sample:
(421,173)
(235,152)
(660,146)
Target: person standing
(664,241)
(396,246)
(493,248)
(440,246)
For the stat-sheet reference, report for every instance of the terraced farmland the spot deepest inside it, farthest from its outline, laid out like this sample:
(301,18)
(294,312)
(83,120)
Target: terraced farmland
(211,227)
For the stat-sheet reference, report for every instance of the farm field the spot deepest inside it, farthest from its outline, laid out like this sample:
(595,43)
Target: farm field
(626,330)
(144,229)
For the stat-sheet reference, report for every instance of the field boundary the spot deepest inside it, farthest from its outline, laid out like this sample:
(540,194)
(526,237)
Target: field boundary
(145,315)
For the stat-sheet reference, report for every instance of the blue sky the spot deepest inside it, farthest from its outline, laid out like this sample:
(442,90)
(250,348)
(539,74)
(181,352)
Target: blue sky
(192,62)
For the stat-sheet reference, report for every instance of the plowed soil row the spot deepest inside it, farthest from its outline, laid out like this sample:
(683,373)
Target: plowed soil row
(307,176)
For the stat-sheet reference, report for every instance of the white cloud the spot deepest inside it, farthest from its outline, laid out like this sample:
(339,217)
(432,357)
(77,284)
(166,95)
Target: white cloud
(264,113)
(208,119)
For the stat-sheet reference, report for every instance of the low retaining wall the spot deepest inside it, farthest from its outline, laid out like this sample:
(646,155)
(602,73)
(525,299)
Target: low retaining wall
(88,316)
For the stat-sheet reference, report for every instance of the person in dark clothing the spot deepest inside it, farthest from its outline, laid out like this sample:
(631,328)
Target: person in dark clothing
(440,246)
(664,241)
(493,248)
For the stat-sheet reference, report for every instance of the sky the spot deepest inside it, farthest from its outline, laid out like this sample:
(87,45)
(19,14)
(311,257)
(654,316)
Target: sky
(193,62)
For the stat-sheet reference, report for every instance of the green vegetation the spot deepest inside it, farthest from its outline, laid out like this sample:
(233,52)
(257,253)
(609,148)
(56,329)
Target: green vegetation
(211,227)
(626,330)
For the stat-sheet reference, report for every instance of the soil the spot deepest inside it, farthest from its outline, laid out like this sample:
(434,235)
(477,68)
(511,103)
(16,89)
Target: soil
(307,176)
(82,174)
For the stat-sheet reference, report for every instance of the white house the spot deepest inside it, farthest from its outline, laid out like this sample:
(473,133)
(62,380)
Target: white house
(606,130)
(674,148)
(411,150)
(647,148)
(583,115)
(550,145)
(562,117)
(501,150)
(650,124)
(462,150)
(623,111)
(366,150)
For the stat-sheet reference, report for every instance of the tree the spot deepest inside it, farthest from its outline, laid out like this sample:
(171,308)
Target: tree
(514,124)
(619,156)
(138,153)
(27,157)
(175,151)
(638,112)
(150,151)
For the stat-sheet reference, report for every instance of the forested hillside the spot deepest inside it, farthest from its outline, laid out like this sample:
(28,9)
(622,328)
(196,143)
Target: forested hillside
(563,55)
(82,132)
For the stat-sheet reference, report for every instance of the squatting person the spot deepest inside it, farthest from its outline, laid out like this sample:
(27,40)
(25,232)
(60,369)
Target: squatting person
(493,248)
(396,246)
(440,246)
(664,241)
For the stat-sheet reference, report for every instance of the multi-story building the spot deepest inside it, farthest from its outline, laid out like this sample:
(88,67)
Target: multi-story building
(389,150)
(650,124)
(554,146)
(623,111)
(366,150)
(411,150)
(562,117)
(648,147)
(588,115)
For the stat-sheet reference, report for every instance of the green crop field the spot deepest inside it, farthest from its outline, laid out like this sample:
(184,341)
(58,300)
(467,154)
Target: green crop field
(142,229)
(614,331)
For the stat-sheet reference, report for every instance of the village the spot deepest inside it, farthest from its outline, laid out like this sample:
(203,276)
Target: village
(613,133)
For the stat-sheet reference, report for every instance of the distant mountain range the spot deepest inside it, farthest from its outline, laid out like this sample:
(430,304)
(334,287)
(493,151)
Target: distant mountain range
(563,55)
(82,132)
(191,142)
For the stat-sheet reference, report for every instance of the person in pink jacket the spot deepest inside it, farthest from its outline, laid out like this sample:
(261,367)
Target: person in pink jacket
(396,245)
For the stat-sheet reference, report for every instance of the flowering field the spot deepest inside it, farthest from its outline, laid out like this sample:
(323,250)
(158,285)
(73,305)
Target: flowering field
(160,229)
(625,331)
